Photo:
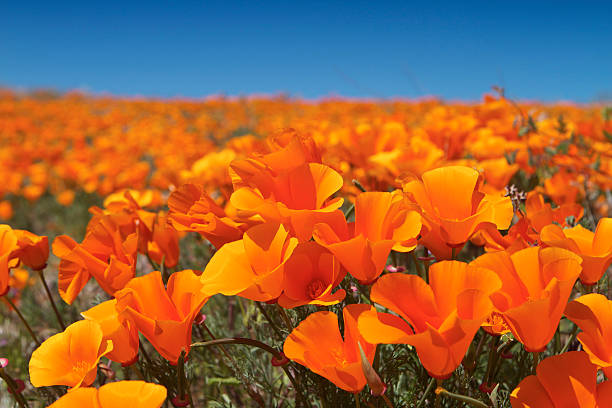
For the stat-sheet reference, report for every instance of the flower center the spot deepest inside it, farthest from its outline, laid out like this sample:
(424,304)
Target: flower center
(314,289)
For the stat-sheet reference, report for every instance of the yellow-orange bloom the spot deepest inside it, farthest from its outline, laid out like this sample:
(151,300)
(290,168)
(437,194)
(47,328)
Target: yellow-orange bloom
(316,343)
(382,222)
(164,244)
(565,380)
(593,314)
(595,249)
(454,208)
(439,319)
(191,209)
(133,394)
(71,357)
(164,316)
(536,284)
(8,244)
(123,334)
(103,254)
(296,197)
(33,249)
(253,267)
(311,273)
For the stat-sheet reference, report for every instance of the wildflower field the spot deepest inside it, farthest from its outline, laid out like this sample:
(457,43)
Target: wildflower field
(275,252)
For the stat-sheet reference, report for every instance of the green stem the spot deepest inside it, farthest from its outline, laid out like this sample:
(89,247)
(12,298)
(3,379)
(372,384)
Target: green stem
(357,404)
(536,360)
(182,379)
(272,324)
(470,364)
(463,398)
(359,186)
(255,343)
(492,359)
(349,211)
(430,386)
(57,314)
(570,340)
(285,317)
(23,320)
(144,351)
(438,401)
(10,383)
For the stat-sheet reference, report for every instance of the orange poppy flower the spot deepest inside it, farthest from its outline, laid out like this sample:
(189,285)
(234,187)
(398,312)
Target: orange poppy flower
(454,208)
(253,267)
(33,249)
(8,244)
(316,343)
(565,380)
(311,273)
(296,197)
(593,314)
(382,222)
(525,232)
(164,243)
(126,217)
(541,214)
(133,394)
(536,284)
(123,334)
(164,316)
(71,357)
(595,249)
(191,209)
(103,255)
(562,187)
(439,319)
(497,173)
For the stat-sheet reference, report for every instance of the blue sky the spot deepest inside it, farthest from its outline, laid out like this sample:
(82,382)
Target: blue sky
(456,50)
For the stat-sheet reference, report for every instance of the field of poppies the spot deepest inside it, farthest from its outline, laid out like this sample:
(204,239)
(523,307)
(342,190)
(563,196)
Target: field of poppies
(275,252)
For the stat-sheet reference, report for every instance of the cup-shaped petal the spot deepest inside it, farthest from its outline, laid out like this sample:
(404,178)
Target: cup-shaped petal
(71,357)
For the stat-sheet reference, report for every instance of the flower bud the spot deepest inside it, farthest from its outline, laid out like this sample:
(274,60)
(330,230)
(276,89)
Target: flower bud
(377,387)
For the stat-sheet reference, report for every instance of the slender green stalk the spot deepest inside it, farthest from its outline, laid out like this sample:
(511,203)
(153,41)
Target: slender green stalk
(183,392)
(493,355)
(10,383)
(359,186)
(272,324)
(285,317)
(349,211)
(570,340)
(256,343)
(144,351)
(438,401)
(430,386)
(470,363)
(57,313)
(357,403)
(23,320)
(463,398)
(536,360)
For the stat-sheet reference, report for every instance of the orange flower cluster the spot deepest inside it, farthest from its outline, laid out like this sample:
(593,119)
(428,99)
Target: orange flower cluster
(290,227)
(70,143)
